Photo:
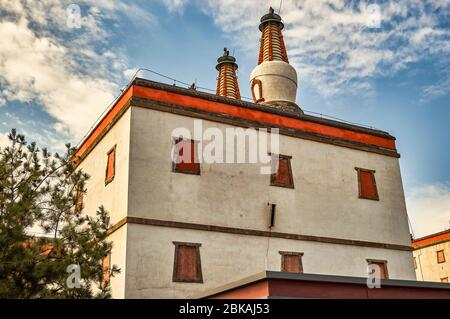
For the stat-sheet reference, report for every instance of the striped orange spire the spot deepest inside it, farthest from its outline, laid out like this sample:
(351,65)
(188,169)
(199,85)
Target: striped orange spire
(227,84)
(272,46)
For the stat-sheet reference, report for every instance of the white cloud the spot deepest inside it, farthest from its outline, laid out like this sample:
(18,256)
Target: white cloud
(333,43)
(437,89)
(175,5)
(34,69)
(429,208)
(129,73)
(64,69)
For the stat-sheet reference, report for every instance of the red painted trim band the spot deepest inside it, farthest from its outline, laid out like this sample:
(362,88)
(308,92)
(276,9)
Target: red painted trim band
(217,107)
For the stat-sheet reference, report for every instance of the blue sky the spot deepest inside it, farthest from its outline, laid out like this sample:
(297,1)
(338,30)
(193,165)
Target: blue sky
(389,69)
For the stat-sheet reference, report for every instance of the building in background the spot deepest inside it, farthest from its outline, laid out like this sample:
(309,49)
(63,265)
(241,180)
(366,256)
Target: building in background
(432,257)
(333,206)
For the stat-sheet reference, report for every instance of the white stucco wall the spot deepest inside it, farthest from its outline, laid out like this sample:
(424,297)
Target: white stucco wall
(428,268)
(119,258)
(228,257)
(324,202)
(114,196)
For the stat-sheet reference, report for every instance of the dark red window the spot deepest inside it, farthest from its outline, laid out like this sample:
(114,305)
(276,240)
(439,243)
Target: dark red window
(187,264)
(367,184)
(382,264)
(185,157)
(440,256)
(111,166)
(282,173)
(291,262)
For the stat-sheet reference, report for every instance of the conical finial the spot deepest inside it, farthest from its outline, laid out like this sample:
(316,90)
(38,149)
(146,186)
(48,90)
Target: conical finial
(226,58)
(270,17)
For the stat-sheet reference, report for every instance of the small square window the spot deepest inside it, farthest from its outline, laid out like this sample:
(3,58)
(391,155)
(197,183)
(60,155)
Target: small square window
(440,256)
(291,262)
(110,166)
(445,279)
(382,266)
(185,157)
(282,171)
(187,263)
(367,184)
